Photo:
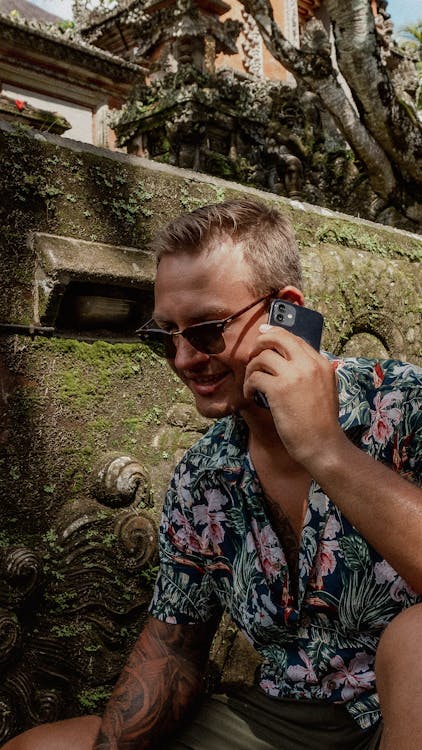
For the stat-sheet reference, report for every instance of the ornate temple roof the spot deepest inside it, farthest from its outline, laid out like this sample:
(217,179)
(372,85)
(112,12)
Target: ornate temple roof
(34,44)
(130,10)
(139,26)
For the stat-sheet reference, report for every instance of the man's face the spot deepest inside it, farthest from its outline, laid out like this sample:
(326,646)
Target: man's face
(193,289)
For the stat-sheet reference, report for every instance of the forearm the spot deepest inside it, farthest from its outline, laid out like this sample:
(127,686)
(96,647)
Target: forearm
(302,392)
(160,685)
(385,508)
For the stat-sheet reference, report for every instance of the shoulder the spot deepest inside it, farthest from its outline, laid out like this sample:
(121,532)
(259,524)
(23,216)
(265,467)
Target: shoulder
(381,402)
(373,375)
(216,456)
(224,443)
(370,389)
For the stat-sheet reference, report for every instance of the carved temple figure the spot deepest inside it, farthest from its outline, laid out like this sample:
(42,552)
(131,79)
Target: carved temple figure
(285,175)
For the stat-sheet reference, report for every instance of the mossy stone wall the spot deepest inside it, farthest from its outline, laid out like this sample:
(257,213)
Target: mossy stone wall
(66,406)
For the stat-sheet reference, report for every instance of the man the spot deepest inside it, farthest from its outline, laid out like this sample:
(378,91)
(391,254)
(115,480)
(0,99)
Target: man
(280,516)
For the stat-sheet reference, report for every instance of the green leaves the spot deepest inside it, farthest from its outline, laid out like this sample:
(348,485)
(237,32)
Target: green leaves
(355,551)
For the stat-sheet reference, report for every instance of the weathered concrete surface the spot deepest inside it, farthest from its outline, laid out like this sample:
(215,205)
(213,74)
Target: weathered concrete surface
(75,596)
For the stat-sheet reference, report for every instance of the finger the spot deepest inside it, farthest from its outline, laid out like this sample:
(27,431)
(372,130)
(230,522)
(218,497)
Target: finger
(287,344)
(268,361)
(267,370)
(298,374)
(257,381)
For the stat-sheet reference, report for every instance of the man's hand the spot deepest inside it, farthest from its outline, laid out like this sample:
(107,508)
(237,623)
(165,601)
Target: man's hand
(160,684)
(300,386)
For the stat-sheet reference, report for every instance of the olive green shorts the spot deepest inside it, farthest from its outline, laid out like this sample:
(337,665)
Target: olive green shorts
(250,720)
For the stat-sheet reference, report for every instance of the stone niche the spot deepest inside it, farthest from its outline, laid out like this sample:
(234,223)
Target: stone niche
(91,423)
(89,290)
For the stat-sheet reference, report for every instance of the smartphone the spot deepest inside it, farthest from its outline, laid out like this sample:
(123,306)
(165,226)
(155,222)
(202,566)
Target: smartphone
(303,322)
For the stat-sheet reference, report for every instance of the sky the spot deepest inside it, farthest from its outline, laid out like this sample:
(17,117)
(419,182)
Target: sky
(403,12)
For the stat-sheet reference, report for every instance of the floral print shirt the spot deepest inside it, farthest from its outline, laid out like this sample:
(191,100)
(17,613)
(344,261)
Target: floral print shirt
(220,552)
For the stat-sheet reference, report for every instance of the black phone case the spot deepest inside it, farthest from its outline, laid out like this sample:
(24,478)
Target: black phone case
(303,322)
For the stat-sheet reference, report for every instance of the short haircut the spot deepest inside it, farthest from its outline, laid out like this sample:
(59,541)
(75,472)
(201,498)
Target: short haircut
(267,238)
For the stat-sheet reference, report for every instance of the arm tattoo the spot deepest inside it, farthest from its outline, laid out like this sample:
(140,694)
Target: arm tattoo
(160,683)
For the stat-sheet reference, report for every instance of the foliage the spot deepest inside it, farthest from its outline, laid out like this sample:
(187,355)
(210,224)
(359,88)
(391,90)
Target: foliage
(415,31)
(94,699)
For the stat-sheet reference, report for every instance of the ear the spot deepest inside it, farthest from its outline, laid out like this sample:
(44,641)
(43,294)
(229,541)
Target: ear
(291,294)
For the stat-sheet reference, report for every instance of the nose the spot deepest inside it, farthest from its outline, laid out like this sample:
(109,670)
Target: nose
(187,357)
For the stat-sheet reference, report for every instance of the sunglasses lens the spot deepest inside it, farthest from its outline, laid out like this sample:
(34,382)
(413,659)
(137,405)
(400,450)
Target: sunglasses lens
(206,338)
(160,342)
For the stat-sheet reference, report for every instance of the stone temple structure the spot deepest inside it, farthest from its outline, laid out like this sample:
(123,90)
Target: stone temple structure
(201,91)
(214,99)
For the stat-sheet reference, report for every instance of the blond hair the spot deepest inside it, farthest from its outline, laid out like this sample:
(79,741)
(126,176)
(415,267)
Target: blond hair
(266,236)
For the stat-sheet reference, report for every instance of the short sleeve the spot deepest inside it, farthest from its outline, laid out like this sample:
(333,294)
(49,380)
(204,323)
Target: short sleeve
(393,416)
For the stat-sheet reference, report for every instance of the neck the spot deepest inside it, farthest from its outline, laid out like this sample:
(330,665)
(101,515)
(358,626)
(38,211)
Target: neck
(265,444)
(285,483)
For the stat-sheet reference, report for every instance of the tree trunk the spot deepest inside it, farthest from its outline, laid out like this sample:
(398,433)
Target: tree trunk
(359,61)
(376,124)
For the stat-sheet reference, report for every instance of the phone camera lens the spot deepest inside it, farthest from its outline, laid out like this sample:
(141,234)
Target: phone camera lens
(279,317)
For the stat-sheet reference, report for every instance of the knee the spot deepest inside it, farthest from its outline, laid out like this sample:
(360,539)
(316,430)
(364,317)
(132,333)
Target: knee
(71,734)
(28,740)
(401,642)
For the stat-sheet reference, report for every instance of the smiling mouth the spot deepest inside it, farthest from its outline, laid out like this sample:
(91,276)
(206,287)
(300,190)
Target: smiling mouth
(207,379)
(206,384)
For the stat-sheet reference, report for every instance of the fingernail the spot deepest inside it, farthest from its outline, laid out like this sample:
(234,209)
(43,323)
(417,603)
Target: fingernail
(264,327)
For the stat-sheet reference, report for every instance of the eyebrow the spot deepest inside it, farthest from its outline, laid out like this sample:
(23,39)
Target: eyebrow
(204,317)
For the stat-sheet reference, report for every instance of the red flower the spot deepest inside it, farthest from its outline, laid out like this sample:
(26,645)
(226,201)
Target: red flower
(378,375)
(20,104)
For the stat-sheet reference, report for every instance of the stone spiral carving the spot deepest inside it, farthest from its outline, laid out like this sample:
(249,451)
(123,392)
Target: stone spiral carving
(62,655)
(7,718)
(21,570)
(48,704)
(138,534)
(94,557)
(10,635)
(22,703)
(119,481)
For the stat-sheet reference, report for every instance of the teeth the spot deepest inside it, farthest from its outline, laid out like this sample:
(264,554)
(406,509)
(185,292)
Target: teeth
(205,381)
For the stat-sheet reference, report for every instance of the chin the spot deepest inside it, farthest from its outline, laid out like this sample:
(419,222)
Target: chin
(213,411)
(217,410)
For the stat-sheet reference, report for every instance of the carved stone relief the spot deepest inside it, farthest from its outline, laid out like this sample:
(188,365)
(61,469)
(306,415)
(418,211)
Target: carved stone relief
(70,609)
(252,46)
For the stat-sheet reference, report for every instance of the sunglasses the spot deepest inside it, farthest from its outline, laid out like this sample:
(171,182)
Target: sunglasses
(204,337)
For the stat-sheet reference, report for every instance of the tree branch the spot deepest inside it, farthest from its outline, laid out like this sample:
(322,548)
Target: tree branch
(359,60)
(313,66)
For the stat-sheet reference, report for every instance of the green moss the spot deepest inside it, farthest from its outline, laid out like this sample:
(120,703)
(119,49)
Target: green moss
(69,630)
(194,195)
(57,190)
(86,372)
(60,602)
(350,235)
(93,699)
